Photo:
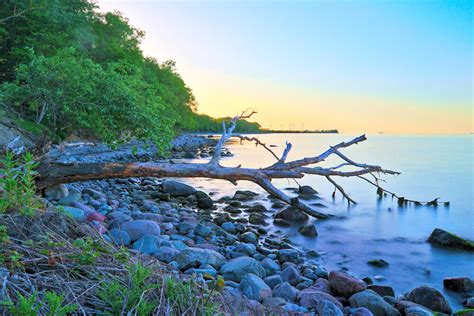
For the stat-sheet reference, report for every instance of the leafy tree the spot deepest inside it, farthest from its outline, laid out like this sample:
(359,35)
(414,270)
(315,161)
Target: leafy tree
(73,69)
(71,94)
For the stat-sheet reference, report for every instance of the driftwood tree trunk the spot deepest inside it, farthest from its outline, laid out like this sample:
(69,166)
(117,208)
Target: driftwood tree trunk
(51,173)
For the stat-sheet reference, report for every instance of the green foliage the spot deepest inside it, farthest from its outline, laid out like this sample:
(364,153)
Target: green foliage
(11,259)
(77,95)
(125,297)
(186,295)
(55,304)
(17,185)
(90,250)
(24,306)
(4,238)
(122,254)
(31,306)
(74,70)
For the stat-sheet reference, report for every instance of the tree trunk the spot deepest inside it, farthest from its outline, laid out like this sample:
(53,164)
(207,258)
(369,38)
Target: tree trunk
(52,173)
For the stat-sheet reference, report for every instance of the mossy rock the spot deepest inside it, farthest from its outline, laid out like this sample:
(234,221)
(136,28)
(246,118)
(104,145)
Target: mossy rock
(443,238)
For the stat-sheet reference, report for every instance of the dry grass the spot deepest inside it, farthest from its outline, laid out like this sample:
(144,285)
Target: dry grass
(43,254)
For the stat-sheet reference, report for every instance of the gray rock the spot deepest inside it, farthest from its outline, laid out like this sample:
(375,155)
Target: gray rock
(274,301)
(295,309)
(254,288)
(175,188)
(417,311)
(321,272)
(166,254)
(292,214)
(306,189)
(74,212)
(310,298)
(202,230)
(430,298)
(147,244)
(291,275)
(205,203)
(344,284)
(443,238)
(270,265)
(244,195)
(288,255)
(237,268)
(374,302)
(148,216)
(73,196)
(459,284)
(95,194)
(139,228)
(273,280)
(362,311)
(249,237)
(286,291)
(257,219)
(56,192)
(308,230)
(328,308)
(194,257)
(229,227)
(382,290)
(119,217)
(379,263)
(185,226)
(248,249)
(322,285)
(120,237)
(281,222)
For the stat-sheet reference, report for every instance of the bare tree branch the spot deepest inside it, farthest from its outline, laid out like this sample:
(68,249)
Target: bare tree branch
(316,159)
(51,172)
(226,135)
(349,200)
(257,142)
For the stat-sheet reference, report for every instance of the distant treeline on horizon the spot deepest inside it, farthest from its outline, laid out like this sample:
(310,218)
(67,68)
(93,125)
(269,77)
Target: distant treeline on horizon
(323,131)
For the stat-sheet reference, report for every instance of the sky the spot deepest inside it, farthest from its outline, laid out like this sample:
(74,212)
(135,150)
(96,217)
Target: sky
(356,66)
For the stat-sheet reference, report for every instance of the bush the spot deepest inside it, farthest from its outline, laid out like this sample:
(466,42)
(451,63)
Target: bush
(69,93)
(132,295)
(31,306)
(17,185)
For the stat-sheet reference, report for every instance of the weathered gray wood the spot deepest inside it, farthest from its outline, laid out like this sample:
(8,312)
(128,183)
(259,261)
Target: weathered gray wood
(51,172)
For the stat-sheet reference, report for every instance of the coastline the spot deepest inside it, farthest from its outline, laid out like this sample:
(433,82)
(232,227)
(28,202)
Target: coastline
(214,227)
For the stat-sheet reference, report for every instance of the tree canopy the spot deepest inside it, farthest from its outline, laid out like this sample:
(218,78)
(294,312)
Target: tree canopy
(75,70)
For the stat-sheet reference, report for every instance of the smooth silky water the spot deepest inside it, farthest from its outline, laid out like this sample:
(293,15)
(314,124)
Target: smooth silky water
(430,166)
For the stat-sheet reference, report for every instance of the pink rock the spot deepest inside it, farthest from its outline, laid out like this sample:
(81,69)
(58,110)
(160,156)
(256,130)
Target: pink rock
(95,216)
(344,284)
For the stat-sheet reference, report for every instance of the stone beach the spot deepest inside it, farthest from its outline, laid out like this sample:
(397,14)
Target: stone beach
(196,234)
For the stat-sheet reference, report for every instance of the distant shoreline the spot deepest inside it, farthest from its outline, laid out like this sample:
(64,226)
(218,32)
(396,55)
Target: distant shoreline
(331,131)
(335,131)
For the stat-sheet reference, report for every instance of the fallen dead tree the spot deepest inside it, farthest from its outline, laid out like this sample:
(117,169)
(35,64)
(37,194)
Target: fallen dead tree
(53,173)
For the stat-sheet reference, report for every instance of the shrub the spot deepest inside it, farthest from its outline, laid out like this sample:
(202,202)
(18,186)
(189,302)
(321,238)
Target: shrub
(125,297)
(32,306)
(17,185)
(70,93)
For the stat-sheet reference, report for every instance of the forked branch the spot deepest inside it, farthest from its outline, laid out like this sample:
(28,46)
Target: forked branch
(54,173)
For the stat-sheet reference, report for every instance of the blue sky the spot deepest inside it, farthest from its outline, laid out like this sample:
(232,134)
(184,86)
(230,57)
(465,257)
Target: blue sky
(359,66)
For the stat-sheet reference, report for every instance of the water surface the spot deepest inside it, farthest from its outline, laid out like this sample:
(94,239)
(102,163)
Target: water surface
(431,166)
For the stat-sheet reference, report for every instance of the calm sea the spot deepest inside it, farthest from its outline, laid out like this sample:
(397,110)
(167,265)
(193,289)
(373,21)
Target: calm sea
(430,166)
